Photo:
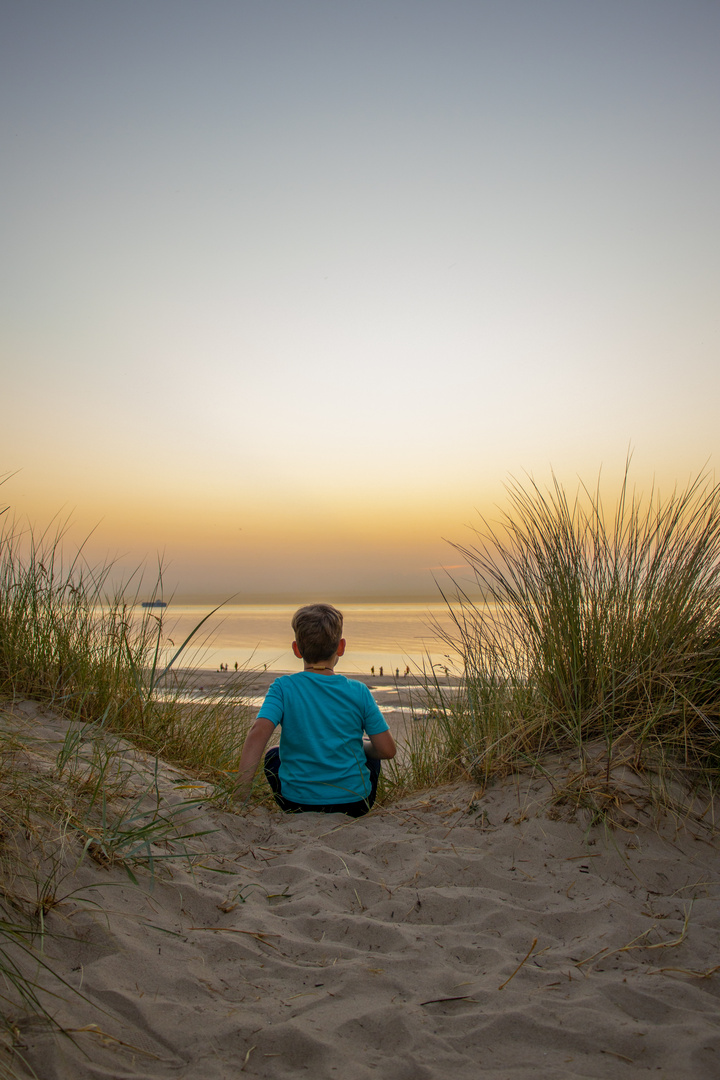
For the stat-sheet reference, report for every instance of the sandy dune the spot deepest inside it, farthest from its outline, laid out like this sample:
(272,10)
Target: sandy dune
(448,936)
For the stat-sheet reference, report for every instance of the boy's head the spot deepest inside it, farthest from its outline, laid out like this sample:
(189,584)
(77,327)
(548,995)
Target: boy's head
(318,631)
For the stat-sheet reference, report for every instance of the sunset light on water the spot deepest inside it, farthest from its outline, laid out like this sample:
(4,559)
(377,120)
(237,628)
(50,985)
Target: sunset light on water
(388,636)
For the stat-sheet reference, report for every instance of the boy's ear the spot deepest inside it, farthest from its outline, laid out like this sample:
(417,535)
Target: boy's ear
(341,646)
(296,650)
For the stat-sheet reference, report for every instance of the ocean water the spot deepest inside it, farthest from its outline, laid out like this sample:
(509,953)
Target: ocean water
(391,636)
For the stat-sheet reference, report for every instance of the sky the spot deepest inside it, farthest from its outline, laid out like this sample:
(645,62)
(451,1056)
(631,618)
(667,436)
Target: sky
(292,288)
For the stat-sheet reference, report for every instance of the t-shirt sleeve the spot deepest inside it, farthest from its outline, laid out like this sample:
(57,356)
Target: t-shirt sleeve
(272,707)
(373,720)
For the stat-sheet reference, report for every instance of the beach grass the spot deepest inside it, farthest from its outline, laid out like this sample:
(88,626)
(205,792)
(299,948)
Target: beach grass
(589,633)
(70,639)
(87,651)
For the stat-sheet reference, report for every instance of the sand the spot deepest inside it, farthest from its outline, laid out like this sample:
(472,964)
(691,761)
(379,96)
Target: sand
(451,935)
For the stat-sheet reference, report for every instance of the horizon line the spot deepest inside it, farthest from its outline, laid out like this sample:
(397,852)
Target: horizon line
(299,599)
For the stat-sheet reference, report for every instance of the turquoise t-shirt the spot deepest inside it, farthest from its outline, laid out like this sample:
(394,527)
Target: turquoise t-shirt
(323,718)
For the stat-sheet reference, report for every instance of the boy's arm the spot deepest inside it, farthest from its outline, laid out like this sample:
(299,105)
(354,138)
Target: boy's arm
(381,746)
(253,747)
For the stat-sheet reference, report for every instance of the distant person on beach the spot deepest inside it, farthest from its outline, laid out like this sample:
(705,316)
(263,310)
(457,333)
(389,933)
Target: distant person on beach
(323,763)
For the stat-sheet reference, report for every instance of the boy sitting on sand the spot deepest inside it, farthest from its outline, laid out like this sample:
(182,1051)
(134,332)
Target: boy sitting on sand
(323,763)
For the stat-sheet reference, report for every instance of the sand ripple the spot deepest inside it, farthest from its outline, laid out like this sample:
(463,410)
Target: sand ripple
(427,940)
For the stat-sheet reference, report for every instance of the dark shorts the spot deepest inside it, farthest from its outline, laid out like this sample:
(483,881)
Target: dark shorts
(354,809)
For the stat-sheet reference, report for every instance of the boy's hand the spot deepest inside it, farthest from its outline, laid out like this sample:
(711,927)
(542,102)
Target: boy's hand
(380,747)
(253,748)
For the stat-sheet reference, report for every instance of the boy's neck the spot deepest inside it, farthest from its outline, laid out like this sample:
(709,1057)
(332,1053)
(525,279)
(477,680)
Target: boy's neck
(324,668)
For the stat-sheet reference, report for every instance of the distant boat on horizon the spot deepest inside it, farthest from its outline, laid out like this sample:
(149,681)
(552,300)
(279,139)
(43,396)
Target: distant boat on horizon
(153,603)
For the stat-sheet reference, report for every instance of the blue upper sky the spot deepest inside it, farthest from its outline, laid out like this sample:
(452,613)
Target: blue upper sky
(291,287)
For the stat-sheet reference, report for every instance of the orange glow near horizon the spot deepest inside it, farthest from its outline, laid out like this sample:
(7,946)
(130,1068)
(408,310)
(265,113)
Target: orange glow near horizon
(287,339)
(297,544)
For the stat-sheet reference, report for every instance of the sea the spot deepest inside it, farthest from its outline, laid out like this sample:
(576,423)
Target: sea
(391,636)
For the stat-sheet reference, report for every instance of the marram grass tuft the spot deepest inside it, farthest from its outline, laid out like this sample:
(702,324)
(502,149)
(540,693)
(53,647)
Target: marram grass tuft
(587,628)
